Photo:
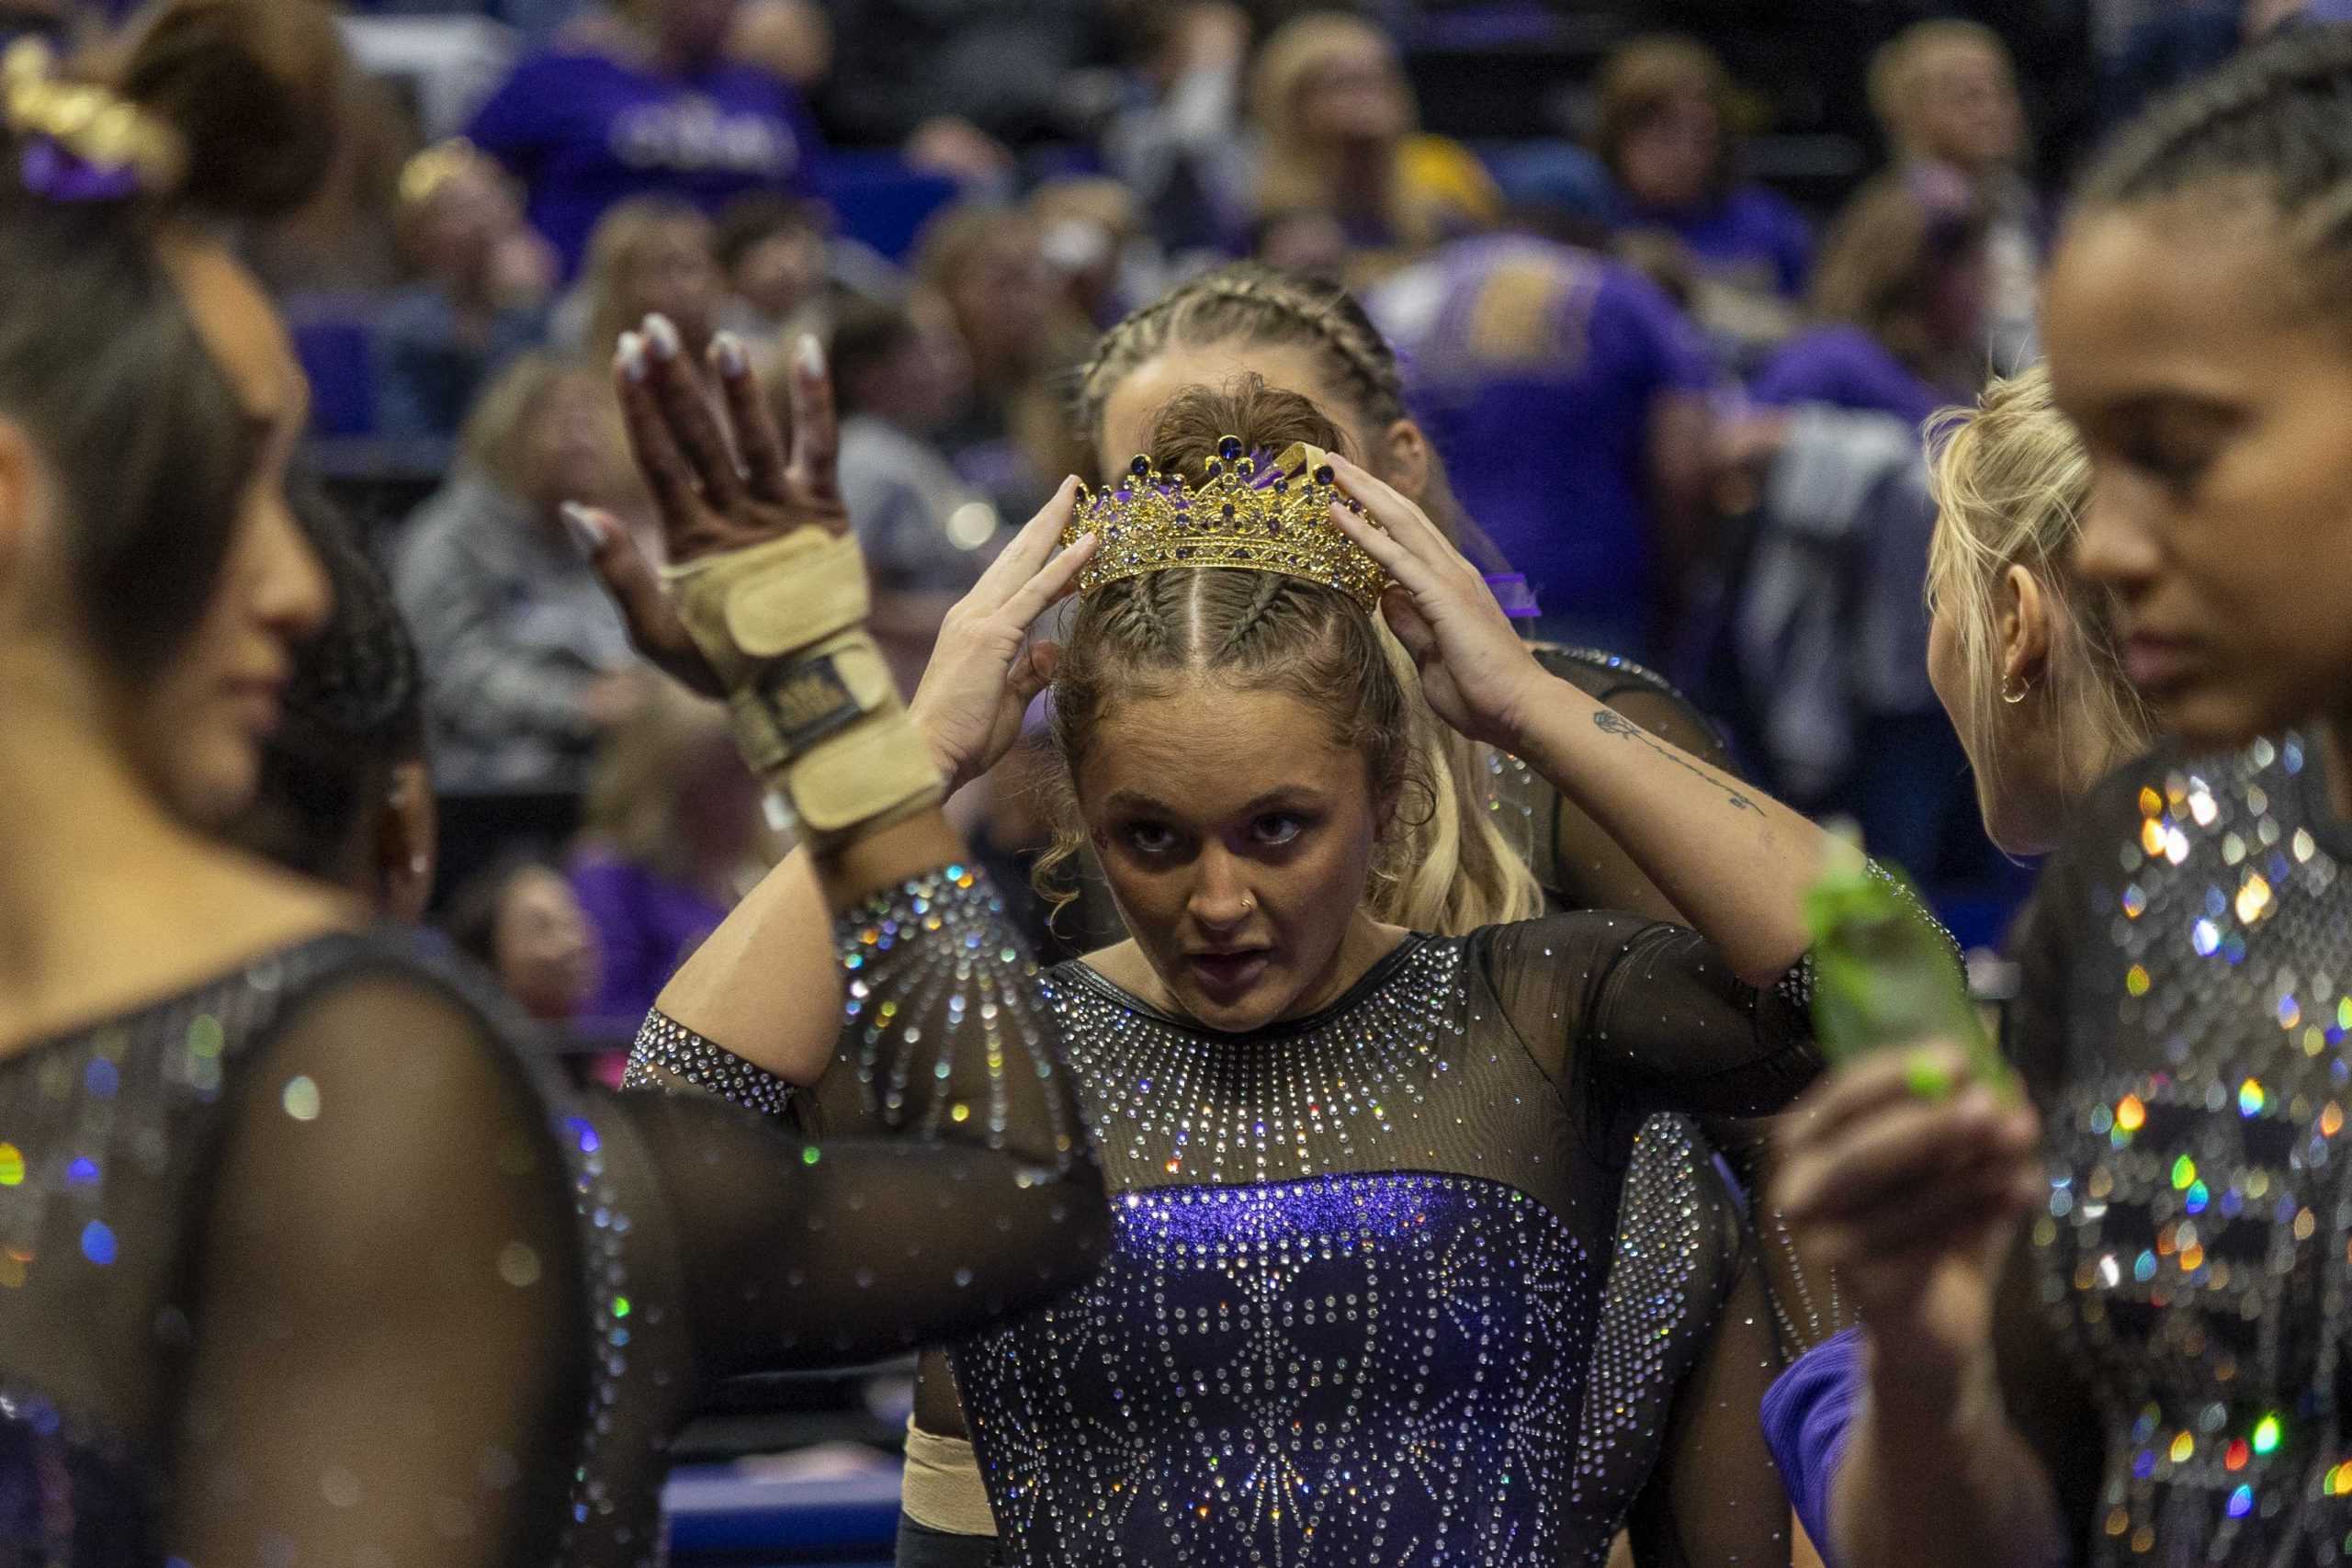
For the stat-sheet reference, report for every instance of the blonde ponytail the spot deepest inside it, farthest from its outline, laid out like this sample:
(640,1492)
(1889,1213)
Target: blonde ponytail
(1449,871)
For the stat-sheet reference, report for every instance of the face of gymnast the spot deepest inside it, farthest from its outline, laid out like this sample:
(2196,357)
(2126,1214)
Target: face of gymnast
(1238,743)
(192,721)
(2212,383)
(1237,832)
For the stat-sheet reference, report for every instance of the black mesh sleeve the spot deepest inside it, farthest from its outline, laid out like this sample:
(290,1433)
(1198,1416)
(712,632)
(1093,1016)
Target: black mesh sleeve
(1635,1008)
(391,1356)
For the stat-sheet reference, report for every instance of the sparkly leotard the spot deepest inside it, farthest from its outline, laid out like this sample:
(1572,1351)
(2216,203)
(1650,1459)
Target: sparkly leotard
(2187,998)
(190,1191)
(1352,1312)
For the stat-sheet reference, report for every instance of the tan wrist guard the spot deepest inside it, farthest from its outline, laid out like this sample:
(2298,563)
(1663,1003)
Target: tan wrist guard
(815,710)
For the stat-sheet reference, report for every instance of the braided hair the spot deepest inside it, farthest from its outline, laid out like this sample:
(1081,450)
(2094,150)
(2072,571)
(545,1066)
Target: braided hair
(1249,304)
(2278,117)
(1252,302)
(1443,867)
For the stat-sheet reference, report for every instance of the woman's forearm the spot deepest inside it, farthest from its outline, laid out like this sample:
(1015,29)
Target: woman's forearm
(767,984)
(1994,1506)
(1735,861)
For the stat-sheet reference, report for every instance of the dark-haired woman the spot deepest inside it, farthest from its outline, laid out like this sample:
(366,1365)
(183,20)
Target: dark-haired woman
(2159,1374)
(299,1260)
(520,920)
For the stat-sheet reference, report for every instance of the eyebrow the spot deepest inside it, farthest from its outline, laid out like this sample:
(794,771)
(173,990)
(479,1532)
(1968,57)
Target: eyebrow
(1288,795)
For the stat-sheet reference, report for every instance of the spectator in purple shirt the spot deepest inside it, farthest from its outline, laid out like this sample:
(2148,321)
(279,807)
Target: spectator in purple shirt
(1667,135)
(663,113)
(1740,253)
(674,836)
(1568,398)
(1900,301)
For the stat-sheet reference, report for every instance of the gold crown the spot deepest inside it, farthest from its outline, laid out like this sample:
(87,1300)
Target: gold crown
(1252,515)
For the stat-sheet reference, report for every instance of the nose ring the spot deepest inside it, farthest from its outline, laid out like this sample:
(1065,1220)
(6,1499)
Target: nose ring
(1248,903)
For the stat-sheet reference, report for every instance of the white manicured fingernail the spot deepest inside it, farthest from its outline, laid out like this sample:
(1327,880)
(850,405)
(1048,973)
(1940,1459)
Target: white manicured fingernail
(811,355)
(726,353)
(662,337)
(630,357)
(582,527)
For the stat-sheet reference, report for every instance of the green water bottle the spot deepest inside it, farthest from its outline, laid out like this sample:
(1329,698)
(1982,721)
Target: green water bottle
(1885,975)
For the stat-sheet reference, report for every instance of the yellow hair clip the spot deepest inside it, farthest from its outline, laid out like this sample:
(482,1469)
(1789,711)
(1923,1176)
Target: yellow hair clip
(88,143)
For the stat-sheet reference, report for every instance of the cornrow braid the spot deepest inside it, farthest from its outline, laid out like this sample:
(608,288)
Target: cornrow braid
(2280,115)
(1254,615)
(1250,302)
(1153,615)
(1129,611)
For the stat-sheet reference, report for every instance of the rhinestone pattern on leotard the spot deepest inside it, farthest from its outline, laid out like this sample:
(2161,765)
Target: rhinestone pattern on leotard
(105,1140)
(1350,1312)
(903,1015)
(2202,1192)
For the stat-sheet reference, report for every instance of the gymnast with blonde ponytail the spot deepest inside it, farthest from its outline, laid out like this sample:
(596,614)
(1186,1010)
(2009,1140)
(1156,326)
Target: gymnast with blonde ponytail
(1406,1260)
(1496,844)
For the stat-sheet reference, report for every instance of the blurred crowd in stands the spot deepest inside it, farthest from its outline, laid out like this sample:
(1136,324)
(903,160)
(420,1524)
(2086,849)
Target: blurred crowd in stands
(1674,287)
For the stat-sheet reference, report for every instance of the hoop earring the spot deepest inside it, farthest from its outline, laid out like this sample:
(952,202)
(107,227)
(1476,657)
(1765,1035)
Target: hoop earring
(2013,697)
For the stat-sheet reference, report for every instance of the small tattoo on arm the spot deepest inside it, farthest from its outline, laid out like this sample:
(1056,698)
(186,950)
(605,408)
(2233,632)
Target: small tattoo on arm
(1608,721)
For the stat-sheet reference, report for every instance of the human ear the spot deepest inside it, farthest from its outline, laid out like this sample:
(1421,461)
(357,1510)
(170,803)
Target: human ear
(2025,625)
(1403,459)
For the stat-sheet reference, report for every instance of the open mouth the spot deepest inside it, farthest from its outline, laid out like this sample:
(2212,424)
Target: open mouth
(1227,974)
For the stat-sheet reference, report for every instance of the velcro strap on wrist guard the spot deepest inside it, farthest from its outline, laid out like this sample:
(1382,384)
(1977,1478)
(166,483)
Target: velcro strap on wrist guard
(879,769)
(785,708)
(746,607)
(816,712)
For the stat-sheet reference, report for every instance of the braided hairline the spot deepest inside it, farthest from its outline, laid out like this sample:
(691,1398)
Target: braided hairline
(1359,350)
(2236,122)
(1140,600)
(1135,600)
(1320,317)
(1244,630)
